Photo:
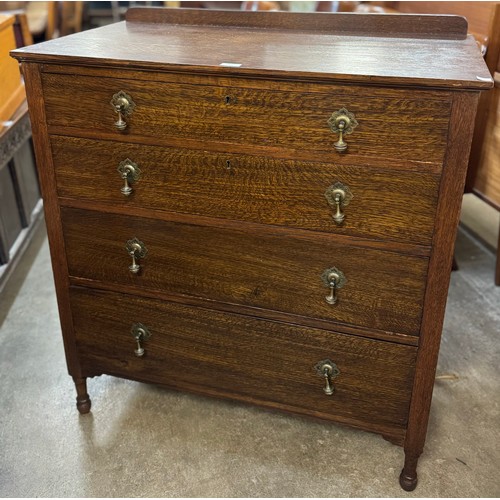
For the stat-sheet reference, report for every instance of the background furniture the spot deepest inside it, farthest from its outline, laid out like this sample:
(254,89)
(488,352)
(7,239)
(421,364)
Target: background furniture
(274,226)
(487,177)
(47,20)
(20,203)
(11,87)
(483,176)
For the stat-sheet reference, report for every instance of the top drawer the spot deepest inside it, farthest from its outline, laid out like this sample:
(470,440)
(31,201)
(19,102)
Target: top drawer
(392,124)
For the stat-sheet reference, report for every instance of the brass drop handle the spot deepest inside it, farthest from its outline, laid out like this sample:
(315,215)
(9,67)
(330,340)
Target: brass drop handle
(137,250)
(129,172)
(342,122)
(328,370)
(140,334)
(124,106)
(334,279)
(338,196)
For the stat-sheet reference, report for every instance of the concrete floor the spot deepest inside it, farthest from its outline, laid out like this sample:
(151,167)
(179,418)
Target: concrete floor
(144,441)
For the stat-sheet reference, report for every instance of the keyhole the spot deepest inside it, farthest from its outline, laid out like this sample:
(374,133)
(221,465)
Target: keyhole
(228,164)
(228,99)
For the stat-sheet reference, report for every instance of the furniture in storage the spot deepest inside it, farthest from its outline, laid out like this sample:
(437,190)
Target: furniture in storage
(20,202)
(259,206)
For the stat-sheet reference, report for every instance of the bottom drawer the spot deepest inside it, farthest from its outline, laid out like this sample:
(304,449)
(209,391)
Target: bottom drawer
(230,355)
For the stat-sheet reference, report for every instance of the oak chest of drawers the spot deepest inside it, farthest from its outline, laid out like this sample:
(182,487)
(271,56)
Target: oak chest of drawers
(259,206)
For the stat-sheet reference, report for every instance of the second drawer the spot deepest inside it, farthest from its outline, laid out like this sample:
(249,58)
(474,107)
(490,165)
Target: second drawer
(387,204)
(273,270)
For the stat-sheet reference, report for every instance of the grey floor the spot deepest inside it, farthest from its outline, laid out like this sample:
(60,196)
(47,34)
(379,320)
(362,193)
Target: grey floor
(144,441)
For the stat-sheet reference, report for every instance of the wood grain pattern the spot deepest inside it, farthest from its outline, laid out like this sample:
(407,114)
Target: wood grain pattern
(251,311)
(258,229)
(392,128)
(442,27)
(276,53)
(36,106)
(384,290)
(231,287)
(211,352)
(250,188)
(448,212)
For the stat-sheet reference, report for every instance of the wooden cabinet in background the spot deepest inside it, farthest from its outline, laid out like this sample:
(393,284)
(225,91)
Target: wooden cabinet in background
(20,203)
(271,220)
(11,86)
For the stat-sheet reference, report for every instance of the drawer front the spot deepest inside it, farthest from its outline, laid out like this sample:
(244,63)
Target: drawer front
(264,269)
(403,127)
(385,204)
(245,358)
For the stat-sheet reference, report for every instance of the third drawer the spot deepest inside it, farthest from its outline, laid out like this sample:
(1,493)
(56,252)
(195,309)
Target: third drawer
(258,267)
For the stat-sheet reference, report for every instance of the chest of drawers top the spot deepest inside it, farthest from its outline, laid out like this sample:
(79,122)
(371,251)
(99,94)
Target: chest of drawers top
(374,49)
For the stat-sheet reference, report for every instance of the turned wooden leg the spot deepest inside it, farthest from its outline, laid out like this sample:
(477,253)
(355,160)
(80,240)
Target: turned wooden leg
(408,477)
(82,398)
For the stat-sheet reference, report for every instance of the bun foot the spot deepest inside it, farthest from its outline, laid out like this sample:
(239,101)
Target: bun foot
(408,482)
(83,403)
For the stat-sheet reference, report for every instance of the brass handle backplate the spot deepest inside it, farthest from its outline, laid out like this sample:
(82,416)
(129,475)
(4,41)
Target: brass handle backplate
(140,334)
(338,196)
(342,122)
(334,279)
(137,250)
(124,106)
(129,172)
(328,370)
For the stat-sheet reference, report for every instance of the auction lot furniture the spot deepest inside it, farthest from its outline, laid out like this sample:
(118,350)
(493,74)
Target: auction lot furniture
(259,206)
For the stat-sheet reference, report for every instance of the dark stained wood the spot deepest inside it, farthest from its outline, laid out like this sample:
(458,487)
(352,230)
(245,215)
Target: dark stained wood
(231,287)
(271,230)
(257,312)
(347,158)
(384,290)
(48,188)
(249,188)
(441,27)
(277,84)
(392,128)
(274,366)
(83,402)
(448,213)
(276,53)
